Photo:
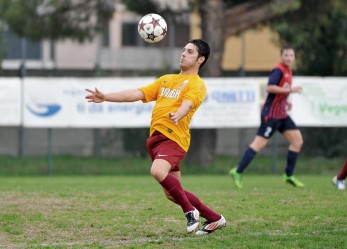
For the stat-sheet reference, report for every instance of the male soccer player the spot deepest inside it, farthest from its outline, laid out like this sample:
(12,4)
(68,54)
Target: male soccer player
(274,118)
(339,180)
(177,98)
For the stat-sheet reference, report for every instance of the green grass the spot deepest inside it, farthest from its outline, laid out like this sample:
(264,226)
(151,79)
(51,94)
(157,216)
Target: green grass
(68,165)
(131,212)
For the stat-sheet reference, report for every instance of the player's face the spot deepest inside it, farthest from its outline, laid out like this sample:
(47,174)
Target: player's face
(190,57)
(288,57)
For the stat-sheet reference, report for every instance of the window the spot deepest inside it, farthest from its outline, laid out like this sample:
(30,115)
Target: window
(14,47)
(182,35)
(106,38)
(130,37)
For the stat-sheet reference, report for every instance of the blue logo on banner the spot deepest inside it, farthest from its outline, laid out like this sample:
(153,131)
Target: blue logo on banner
(45,110)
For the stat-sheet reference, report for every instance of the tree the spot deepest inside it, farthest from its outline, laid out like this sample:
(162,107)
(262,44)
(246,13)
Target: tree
(318,31)
(56,19)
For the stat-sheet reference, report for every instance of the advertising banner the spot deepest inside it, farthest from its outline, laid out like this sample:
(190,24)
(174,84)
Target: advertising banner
(230,102)
(10,99)
(60,102)
(323,102)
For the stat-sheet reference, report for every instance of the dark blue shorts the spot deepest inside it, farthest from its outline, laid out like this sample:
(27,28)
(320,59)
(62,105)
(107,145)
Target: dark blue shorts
(269,126)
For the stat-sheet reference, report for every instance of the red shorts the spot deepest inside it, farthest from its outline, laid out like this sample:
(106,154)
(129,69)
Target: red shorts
(161,147)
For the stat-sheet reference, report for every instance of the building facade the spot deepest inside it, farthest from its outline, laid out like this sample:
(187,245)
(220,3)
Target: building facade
(120,50)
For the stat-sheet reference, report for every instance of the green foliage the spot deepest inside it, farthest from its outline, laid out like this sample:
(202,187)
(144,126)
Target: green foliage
(56,19)
(318,31)
(326,142)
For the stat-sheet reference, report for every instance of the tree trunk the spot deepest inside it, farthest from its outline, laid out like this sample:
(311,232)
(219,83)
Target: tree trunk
(203,142)
(251,13)
(203,147)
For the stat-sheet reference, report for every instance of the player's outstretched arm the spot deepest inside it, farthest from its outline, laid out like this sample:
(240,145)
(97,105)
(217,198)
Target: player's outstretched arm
(278,90)
(130,95)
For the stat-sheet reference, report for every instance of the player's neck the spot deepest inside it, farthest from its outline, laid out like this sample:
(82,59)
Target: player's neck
(191,71)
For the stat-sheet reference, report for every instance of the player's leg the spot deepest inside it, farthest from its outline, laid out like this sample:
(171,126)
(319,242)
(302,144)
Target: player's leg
(214,220)
(343,172)
(339,180)
(204,210)
(294,136)
(251,151)
(267,128)
(160,171)
(166,156)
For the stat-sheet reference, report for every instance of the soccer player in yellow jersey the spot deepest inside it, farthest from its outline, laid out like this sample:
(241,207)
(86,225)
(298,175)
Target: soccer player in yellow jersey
(177,98)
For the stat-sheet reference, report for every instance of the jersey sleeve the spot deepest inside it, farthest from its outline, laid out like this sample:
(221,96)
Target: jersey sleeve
(275,76)
(196,93)
(151,91)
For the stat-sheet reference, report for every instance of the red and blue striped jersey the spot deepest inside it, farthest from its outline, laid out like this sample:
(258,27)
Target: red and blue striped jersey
(275,105)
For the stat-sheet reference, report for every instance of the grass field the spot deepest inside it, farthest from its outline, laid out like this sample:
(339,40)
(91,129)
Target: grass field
(131,212)
(69,165)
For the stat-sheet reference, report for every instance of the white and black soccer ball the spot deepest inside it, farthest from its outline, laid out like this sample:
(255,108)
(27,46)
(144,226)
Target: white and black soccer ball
(152,28)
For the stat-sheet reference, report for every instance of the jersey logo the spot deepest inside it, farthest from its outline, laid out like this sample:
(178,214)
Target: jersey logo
(169,93)
(183,84)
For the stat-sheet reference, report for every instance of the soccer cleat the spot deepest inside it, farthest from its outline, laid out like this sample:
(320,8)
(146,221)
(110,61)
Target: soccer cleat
(209,227)
(237,177)
(339,184)
(293,181)
(192,220)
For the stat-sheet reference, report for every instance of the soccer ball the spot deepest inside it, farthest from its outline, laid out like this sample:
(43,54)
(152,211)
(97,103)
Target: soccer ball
(152,28)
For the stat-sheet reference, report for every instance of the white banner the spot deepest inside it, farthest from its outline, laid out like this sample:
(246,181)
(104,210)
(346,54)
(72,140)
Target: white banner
(230,102)
(323,102)
(60,102)
(10,102)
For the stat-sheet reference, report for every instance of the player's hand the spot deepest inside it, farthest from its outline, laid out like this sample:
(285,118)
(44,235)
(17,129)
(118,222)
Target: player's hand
(95,96)
(174,117)
(296,89)
(289,106)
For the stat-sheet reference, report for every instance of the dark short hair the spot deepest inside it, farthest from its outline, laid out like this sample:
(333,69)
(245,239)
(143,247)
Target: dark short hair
(203,49)
(286,47)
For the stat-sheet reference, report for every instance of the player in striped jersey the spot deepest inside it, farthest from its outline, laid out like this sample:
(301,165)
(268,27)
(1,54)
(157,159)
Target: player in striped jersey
(274,118)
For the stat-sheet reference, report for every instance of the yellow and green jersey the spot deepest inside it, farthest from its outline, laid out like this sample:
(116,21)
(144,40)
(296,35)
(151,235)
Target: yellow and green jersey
(169,91)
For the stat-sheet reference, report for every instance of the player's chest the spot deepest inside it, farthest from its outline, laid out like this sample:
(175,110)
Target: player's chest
(173,89)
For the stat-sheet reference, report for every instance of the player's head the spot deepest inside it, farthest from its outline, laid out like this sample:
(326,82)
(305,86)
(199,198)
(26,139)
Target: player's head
(287,55)
(203,49)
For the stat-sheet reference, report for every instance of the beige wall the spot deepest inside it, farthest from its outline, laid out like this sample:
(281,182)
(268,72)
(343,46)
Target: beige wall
(73,55)
(261,53)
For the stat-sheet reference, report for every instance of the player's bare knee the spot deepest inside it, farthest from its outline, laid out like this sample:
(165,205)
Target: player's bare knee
(297,145)
(154,172)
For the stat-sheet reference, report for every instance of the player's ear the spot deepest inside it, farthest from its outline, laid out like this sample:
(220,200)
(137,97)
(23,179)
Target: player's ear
(201,59)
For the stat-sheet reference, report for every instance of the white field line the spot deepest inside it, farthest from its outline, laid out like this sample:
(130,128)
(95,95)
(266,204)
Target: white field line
(141,241)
